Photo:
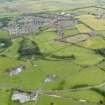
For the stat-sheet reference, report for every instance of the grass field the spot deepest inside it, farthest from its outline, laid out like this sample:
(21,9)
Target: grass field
(70,71)
(80,81)
(92,22)
(83,29)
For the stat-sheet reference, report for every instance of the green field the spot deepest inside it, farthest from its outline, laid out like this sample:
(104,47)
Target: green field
(79,68)
(71,71)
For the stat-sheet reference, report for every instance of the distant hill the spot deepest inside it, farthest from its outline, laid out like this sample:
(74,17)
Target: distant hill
(30,6)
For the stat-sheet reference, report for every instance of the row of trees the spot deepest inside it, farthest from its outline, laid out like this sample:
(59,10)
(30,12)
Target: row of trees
(100,51)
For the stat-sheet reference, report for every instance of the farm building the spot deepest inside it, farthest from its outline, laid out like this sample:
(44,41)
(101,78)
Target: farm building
(23,97)
(50,78)
(16,70)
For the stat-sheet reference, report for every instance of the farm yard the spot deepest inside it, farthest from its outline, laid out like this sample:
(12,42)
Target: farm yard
(52,58)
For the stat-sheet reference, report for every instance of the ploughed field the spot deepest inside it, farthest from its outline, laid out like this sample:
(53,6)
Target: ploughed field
(70,71)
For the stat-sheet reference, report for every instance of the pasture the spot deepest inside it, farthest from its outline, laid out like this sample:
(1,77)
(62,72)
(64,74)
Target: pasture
(79,69)
(92,22)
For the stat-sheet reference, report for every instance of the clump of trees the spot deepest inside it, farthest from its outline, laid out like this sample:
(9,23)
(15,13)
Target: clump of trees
(71,57)
(101,51)
(5,21)
(61,85)
(100,92)
(5,42)
(28,48)
(80,86)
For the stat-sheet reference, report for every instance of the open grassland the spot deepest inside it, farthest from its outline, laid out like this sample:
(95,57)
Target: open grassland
(70,71)
(92,22)
(82,28)
(94,42)
(71,32)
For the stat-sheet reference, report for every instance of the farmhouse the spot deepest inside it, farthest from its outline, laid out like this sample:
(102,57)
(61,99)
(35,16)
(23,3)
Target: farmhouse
(17,70)
(23,97)
(50,78)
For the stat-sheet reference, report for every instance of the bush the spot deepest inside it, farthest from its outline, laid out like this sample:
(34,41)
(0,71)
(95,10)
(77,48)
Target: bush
(80,86)
(5,43)
(71,57)
(101,51)
(61,85)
